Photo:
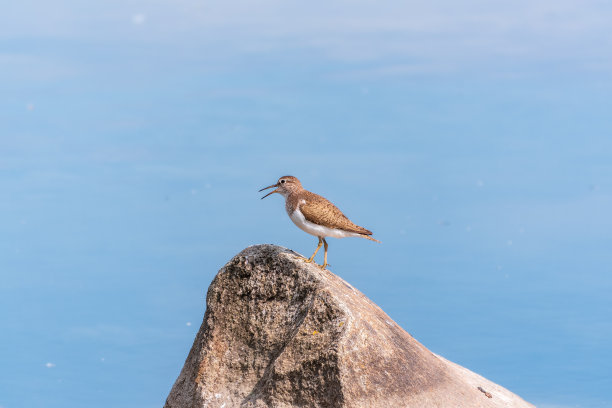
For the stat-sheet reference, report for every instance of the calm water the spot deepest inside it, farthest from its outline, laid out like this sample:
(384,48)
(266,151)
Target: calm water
(133,140)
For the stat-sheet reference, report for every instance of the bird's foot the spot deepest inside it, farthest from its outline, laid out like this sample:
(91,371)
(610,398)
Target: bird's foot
(324,266)
(310,261)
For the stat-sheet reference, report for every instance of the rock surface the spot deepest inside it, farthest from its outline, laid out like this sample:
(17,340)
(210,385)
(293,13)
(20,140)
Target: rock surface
(279,332)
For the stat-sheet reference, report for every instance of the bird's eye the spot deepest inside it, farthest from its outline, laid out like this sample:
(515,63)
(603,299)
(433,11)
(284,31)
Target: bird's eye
(282,181)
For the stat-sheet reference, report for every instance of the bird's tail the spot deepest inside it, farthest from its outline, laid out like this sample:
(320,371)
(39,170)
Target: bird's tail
(369,237)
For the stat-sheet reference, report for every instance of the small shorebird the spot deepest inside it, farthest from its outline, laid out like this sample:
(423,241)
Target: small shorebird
(315,214)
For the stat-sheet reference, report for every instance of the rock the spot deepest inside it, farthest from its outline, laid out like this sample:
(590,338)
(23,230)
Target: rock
(279,332)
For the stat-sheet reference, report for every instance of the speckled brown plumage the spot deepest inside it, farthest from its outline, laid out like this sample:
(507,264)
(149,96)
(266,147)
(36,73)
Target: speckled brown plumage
(315,208)
(321,211)
(315,214)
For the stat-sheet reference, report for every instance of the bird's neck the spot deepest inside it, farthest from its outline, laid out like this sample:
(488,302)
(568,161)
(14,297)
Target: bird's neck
(293,193)
(292,200)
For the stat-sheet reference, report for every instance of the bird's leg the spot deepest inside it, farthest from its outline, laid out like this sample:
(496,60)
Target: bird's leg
(324,256)
(316,250)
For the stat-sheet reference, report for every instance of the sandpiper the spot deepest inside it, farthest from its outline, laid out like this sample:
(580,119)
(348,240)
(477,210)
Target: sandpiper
(315,214)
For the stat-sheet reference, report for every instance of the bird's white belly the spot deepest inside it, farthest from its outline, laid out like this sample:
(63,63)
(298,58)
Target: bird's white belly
(318,230)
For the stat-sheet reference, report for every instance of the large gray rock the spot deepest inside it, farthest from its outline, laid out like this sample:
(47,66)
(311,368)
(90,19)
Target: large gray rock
(279,332)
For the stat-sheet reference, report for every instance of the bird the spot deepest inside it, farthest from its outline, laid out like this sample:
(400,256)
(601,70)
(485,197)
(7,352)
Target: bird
(315,215)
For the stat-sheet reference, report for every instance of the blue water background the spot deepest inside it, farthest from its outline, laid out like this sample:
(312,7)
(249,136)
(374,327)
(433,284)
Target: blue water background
(477,145)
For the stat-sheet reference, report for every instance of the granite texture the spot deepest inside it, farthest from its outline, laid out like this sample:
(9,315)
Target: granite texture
(279,332)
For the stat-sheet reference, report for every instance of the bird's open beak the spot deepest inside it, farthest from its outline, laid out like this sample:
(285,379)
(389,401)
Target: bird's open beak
(265,188)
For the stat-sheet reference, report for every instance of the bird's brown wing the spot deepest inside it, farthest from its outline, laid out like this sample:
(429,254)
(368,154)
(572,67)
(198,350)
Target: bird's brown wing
(321,211)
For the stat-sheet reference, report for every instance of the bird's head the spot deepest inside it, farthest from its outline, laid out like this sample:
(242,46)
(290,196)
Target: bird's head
(284,186)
